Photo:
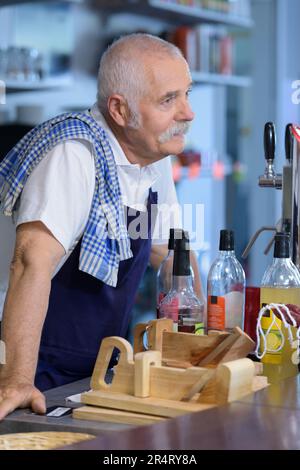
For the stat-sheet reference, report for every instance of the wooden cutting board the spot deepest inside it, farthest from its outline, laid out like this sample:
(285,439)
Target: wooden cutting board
(114,416)
(154,406)
(122,408)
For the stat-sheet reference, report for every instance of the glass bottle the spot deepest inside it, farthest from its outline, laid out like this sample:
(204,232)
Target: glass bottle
(181,303)
(164,273)
(225,288)
(280,284)
(281,280)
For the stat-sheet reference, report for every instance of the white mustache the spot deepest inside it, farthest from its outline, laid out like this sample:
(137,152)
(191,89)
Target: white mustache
(180,128)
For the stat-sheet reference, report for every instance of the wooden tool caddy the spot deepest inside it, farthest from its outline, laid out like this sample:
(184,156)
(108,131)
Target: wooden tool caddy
(179,373)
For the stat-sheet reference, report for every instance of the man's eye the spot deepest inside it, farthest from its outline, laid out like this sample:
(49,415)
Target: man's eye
(188,91)
(168,100)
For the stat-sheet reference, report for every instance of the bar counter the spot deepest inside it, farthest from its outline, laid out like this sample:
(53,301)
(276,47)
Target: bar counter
(268,419)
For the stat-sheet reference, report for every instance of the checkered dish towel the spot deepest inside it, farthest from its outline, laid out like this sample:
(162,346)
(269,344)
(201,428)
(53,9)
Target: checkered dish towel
(105,240)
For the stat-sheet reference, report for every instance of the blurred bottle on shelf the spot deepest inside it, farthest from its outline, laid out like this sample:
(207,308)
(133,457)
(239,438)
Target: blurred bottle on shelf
(21,64)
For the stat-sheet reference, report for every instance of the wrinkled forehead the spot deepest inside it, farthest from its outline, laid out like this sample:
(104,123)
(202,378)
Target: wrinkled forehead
(166,73)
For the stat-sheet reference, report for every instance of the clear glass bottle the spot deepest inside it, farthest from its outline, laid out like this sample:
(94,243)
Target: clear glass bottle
(181,303)
(280,284)
(225,288)
(164,273)
(282,274)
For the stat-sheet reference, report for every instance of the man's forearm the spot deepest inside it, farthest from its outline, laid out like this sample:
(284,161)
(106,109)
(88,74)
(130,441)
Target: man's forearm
(24,313)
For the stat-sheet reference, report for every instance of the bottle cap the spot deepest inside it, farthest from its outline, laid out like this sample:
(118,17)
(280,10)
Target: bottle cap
(181,240)
(226,240)
(181,265)
(171,239)
(282,245)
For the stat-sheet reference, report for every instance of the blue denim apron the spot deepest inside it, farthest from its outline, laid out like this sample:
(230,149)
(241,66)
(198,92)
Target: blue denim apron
(83,310)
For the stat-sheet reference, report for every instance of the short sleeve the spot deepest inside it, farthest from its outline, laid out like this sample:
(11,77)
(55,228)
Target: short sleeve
(168,209)
(59,192)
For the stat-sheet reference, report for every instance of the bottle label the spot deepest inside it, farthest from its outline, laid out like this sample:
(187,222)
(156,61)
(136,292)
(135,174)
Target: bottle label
(161,296)
(216,313)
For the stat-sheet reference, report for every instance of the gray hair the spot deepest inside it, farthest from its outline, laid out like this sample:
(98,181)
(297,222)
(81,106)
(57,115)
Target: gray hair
(122,72)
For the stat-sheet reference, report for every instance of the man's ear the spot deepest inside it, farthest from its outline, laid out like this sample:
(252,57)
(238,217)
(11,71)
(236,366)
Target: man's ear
(118,109)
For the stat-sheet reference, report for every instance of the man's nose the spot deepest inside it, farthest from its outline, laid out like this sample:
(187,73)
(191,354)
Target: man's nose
(185,112)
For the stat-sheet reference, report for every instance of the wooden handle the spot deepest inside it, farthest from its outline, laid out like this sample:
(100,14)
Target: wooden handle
(104,356)
(143,362)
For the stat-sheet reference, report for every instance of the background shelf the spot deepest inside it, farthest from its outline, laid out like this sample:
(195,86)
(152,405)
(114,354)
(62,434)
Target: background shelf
(48,83)
(17,2)
(175,13)
(218,79)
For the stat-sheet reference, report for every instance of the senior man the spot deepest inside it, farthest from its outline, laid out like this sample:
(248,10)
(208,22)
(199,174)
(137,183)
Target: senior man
(75,185)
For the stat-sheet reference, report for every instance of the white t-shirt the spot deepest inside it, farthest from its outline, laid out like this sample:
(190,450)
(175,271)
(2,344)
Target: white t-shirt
(60,189)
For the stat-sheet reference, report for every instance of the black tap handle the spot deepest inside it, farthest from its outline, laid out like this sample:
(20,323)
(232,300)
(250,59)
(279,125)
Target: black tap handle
(288,142)
(269,141)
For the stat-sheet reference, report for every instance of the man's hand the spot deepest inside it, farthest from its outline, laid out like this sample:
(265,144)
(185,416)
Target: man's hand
(17,394)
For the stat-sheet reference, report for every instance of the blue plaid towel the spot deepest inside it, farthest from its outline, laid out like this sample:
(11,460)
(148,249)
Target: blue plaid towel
(105,240)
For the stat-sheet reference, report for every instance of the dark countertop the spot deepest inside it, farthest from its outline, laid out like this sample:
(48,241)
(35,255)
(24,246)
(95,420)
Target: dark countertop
(268,419)
(26,421)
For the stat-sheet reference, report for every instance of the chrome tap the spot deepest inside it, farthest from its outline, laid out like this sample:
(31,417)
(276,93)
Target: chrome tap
(254,238)
(270,179)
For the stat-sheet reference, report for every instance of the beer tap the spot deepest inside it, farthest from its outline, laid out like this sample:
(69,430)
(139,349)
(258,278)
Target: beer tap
(285,223)
(270,179)
(288,182)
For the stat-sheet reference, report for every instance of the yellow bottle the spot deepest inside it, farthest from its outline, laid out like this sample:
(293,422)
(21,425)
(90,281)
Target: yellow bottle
(281,285)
